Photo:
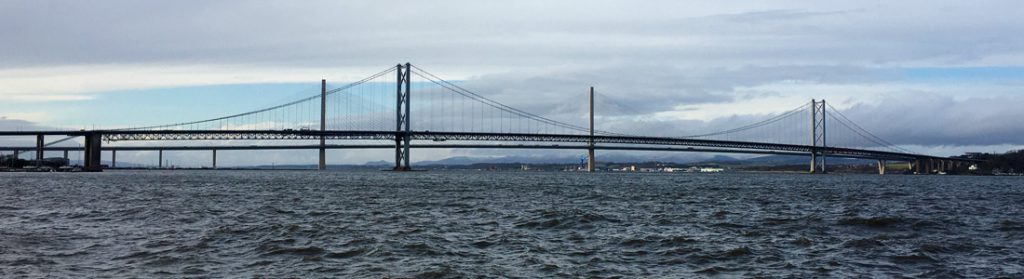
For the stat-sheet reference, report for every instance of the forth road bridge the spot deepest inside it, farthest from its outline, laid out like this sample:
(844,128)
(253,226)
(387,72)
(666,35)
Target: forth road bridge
(405,108)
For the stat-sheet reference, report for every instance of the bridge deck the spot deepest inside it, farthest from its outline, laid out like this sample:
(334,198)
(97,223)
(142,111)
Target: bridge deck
(606,142)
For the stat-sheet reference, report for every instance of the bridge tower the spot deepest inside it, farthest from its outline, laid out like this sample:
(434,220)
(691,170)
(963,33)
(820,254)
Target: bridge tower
(322,165)
(818,138)
(591,161)
(402,132)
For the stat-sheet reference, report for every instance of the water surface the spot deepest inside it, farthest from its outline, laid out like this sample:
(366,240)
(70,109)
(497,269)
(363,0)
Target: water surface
(513,224)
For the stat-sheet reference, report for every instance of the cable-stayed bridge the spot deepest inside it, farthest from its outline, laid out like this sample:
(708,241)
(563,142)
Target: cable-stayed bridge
(405,108)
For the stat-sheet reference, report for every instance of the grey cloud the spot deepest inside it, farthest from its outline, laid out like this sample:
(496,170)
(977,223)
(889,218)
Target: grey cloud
(648,89)
(759,17)
(906,119)
(524,33)
(10,124)
(928,119)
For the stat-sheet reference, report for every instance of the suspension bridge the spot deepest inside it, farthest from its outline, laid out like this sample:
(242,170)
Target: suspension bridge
(406,108)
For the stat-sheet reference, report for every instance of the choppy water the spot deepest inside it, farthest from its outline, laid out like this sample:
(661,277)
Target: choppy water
(487,224)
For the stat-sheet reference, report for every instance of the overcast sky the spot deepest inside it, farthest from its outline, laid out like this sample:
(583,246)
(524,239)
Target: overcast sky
(936,76)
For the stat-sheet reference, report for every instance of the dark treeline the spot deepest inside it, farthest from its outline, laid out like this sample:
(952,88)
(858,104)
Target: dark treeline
(1009,162)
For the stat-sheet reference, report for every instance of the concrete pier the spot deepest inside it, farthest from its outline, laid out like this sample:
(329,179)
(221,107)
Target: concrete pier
(40,143)
(93,144)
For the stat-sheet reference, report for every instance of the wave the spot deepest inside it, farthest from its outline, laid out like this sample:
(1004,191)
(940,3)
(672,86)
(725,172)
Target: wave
(872,222)
(566,219)
(1009,225)
(347,253)
(913,258)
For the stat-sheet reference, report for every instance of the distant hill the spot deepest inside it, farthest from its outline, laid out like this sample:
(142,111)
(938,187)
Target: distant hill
(378,163)
(780,160)
(552,159)
(120,164)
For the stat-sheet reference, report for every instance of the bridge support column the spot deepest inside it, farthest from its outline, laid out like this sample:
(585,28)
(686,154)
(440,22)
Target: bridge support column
(215,159)
(39,150)
(113,158)
(66,154)
(823,169)
(92,152)
(323,120)
(881,167)
(402,132)
(814,161)
(160,159)
(591,161)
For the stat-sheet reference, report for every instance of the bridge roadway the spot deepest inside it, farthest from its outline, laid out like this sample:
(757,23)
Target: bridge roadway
(389,146)
(620,142)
